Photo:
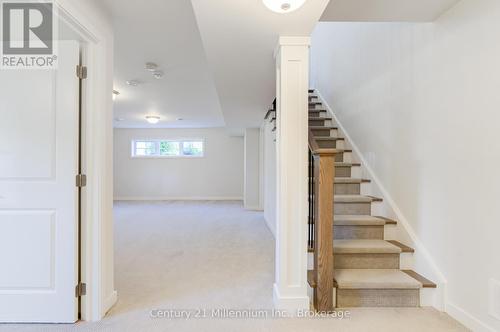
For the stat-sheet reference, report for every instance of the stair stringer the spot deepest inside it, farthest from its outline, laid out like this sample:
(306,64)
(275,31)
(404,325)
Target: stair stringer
(421,261)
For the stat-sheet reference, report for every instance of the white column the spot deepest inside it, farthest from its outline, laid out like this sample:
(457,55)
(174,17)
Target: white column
(292,83)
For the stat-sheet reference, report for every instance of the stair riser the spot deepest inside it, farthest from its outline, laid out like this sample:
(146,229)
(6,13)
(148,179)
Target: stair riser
(347,188)
(343,172)
(366,261)
(324,132)
(317,112)
(350,298)
(317,122)
(330,144)
(352,208)
(358,232)
(339,157)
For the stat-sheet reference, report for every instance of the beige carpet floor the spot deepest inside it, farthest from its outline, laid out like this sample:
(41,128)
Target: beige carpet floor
(209,255)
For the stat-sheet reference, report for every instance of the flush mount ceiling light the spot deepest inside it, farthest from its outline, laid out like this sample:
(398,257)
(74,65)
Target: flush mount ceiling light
(153,119)
(158,74)
(283,6)
(133,82)
(151,66)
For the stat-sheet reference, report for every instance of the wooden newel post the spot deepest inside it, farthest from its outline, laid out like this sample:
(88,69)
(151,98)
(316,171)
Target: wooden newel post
(324,174)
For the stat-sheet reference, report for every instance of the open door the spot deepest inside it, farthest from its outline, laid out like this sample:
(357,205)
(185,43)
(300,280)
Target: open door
(38,195)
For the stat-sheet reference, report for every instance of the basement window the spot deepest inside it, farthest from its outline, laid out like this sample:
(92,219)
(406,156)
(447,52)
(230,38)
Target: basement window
(167,148)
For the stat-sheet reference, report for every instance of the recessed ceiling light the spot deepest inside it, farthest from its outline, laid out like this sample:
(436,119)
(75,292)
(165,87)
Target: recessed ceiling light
(133,82)
(158,74)
(151,66)
(153,119)
(283,6)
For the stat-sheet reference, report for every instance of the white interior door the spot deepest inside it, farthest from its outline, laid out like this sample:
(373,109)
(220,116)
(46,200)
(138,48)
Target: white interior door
(38,195)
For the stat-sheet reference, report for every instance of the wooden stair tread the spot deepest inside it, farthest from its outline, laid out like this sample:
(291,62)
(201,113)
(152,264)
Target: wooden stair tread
(328,138)
(426,283)
(320,118)
(355,199)
(358,220)
(365,247)
(387,220)
(404,248)
(351,181)
(323,127)
(375,279)
(344,164)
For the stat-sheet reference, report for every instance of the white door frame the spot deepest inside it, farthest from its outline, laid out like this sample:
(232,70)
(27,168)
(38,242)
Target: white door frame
(96,130)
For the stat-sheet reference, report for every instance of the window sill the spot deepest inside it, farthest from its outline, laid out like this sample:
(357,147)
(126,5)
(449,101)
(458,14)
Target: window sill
(167,157)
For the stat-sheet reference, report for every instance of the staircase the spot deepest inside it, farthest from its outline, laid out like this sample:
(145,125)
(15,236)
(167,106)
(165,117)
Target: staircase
(366,266)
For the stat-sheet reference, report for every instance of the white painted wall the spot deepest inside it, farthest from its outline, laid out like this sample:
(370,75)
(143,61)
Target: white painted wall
(421,102)
(269,174)
(218,175)
(251,190)
(386,10)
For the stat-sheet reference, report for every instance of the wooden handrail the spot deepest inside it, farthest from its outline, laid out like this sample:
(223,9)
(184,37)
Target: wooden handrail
(323,213)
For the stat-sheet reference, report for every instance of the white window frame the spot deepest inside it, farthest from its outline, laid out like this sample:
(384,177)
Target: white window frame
(157,147)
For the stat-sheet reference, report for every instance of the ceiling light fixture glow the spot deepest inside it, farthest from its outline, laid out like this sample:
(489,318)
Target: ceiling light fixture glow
(151,66)
(153,119)
(133,82)
(283,6)
(158,74)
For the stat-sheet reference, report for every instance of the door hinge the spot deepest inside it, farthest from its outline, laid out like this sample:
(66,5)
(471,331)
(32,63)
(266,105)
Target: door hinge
(81,289)
(81,180)
(81,72)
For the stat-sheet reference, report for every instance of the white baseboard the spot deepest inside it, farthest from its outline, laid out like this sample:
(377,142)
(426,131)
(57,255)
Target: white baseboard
(420,249)
(169,198)
(290,304)
(270,226)
(110,301)
(253,208)
(467,319)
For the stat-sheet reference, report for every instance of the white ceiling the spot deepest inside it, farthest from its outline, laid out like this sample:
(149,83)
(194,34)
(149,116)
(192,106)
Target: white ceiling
(386,10)
(164,32)
(239,37)
(218,54)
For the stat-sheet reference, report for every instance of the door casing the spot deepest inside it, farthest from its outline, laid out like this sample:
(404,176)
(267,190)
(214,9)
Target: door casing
(96,133)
